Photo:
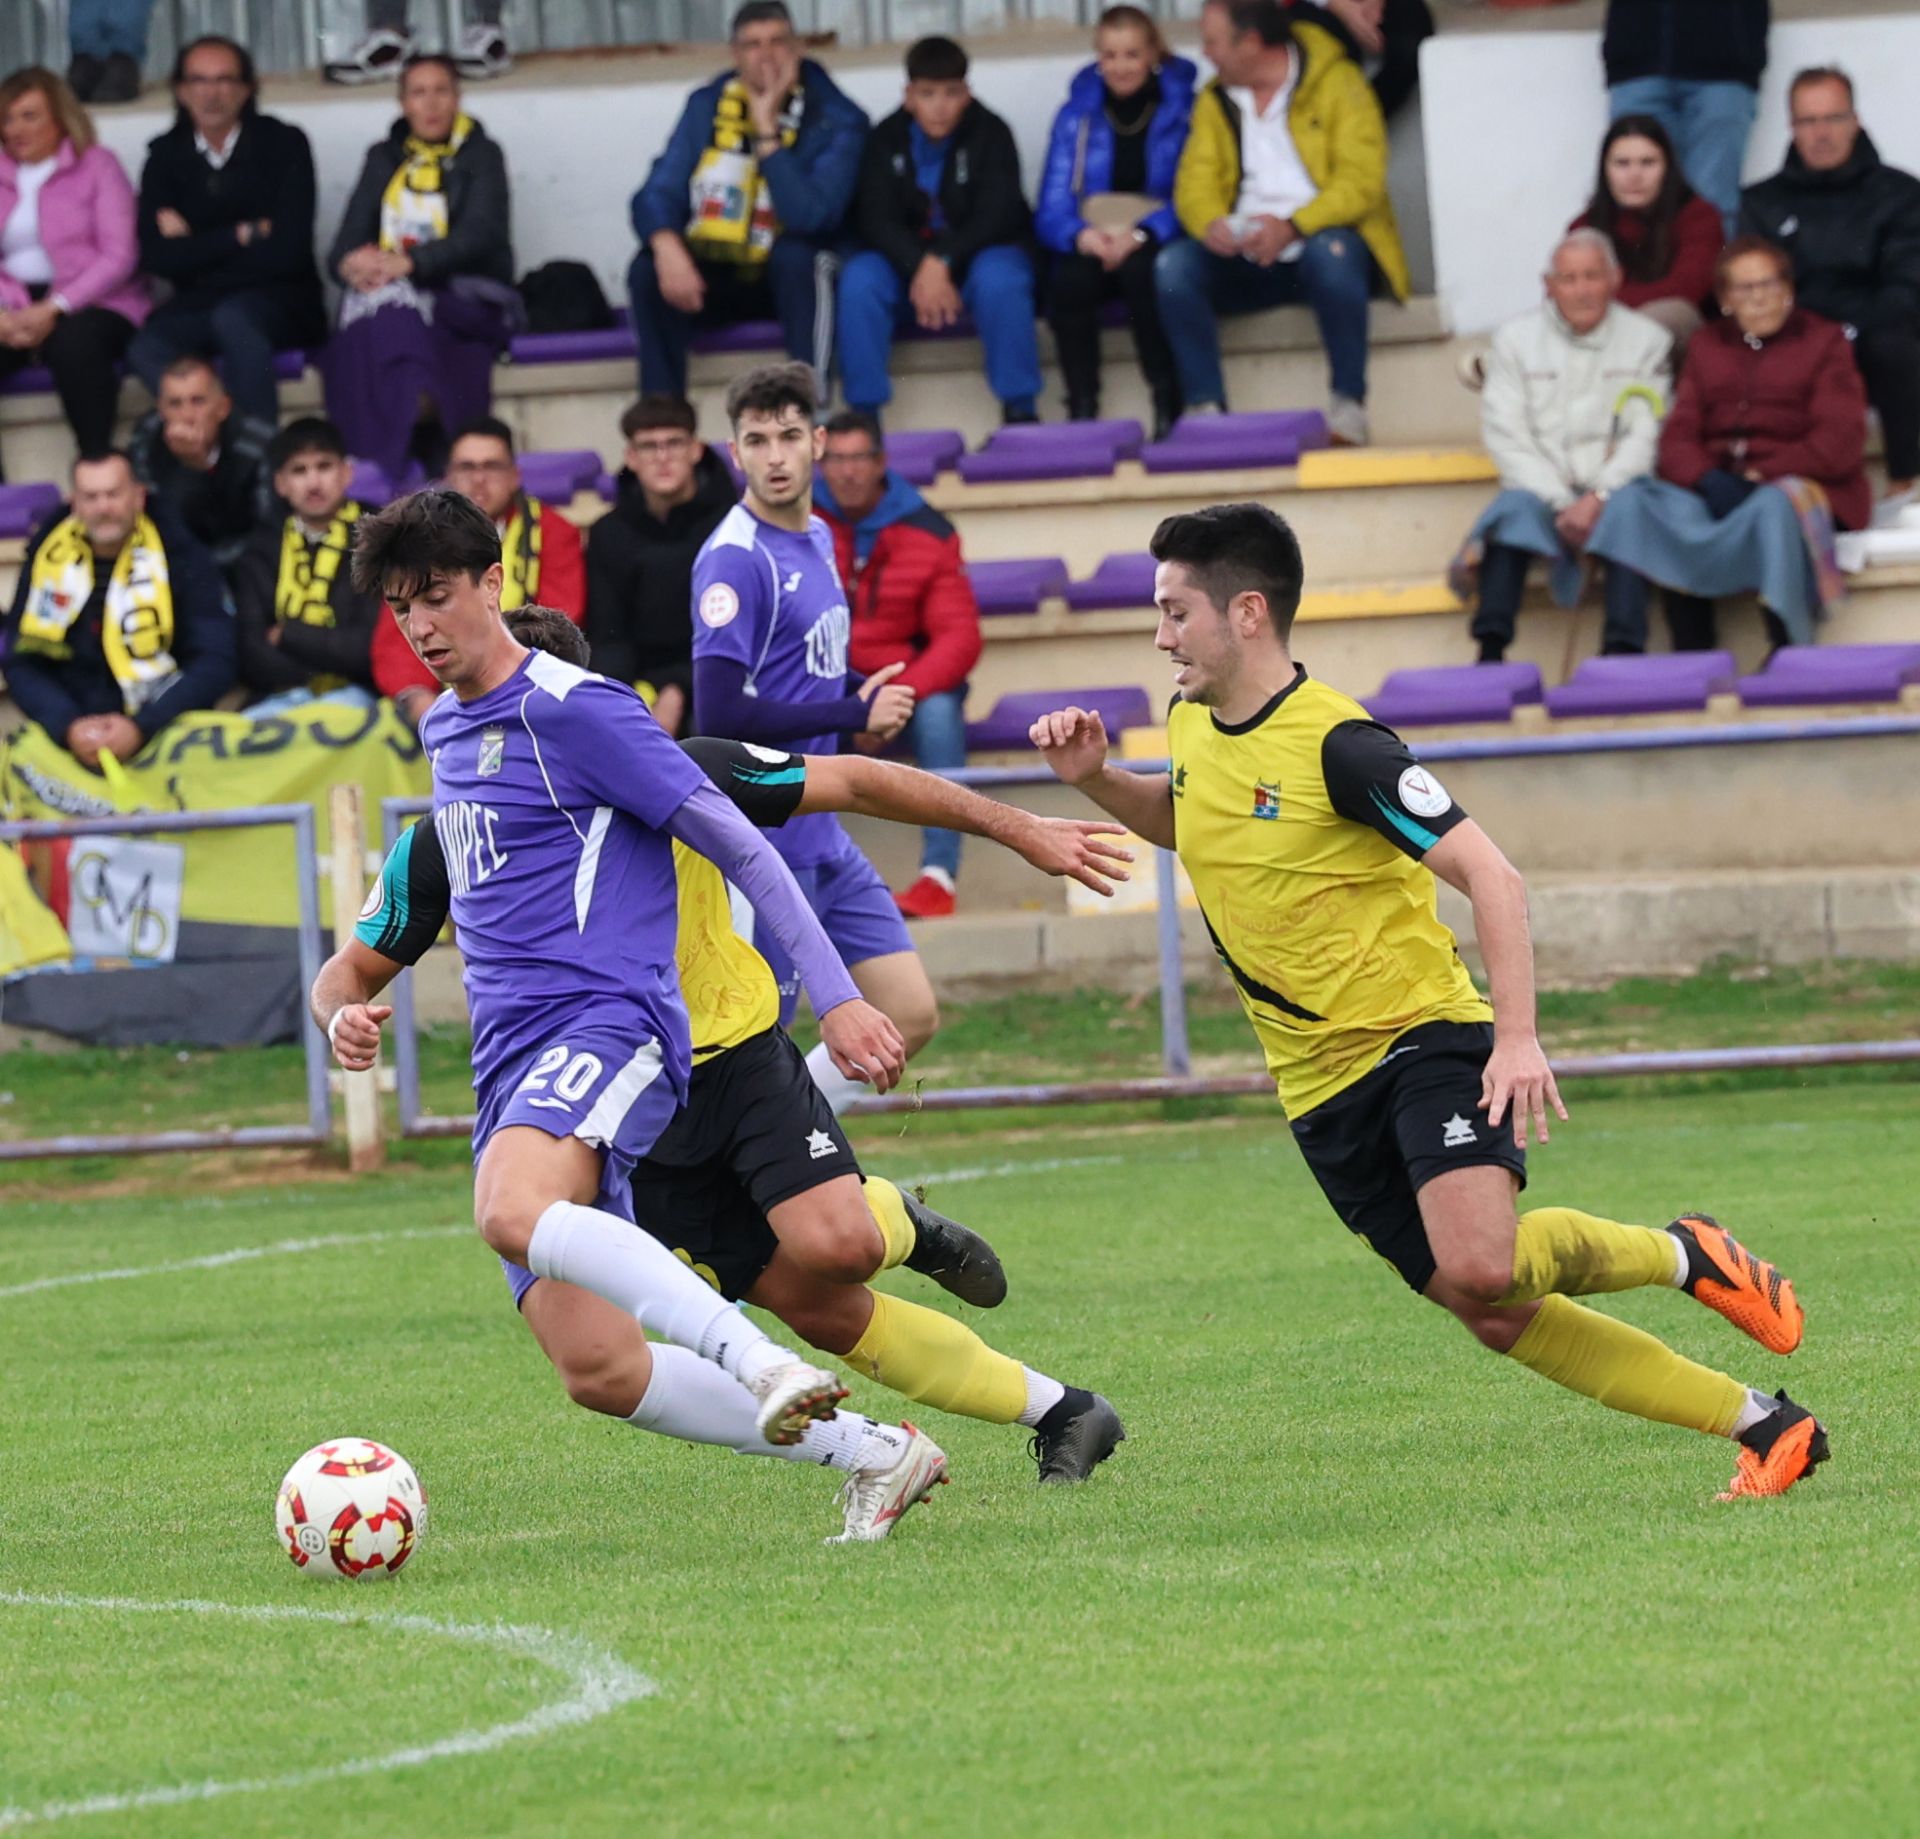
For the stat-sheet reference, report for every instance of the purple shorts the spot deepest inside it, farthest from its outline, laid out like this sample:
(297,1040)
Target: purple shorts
(608,1086)
(854,905)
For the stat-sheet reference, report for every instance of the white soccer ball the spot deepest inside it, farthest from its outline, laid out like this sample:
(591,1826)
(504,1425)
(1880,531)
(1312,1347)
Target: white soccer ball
(351,1507)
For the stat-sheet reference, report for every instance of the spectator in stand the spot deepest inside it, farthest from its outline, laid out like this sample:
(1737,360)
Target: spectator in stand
(1382,36)
(1695,66)
(1282,190)
(670,494)
(202,462)
(741,216)
(120,621)
(912,606)
(947,231)
(541,558)
(1852,227)
(1105,205)
(1667,239)
(1570,413)
(302,629)
(107,42)
(70,293)
(226,219)
(425,257)
(1759,462)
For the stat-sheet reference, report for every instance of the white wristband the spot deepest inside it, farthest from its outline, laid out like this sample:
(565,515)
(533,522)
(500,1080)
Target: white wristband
(335,1023)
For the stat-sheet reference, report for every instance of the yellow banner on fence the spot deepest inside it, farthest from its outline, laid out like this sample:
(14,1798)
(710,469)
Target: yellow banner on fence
(218,761)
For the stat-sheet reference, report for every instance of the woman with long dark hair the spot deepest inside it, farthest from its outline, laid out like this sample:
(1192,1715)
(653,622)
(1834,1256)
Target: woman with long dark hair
(1667,237)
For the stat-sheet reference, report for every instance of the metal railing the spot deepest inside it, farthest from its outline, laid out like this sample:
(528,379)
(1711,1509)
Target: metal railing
(318,1129)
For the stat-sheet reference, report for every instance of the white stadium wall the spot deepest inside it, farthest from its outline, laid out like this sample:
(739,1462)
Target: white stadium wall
(1513,126)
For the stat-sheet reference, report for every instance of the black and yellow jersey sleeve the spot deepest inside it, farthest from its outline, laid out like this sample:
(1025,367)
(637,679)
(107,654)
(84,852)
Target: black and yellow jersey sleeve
(407,907)
(765,783)
(1373,779)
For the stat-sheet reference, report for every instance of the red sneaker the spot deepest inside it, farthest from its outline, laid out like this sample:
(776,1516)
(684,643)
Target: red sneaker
(928,898)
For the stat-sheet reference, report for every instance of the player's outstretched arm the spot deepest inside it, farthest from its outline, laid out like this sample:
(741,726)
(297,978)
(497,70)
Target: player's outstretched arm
(1073,742)
(863,1042)
(343,1006)
(1082,849)
(1517,1076)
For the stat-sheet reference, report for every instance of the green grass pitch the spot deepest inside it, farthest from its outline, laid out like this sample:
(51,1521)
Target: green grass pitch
(1349,1576)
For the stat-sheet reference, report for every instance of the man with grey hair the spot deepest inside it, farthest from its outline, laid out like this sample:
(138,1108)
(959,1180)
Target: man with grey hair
(1574,397)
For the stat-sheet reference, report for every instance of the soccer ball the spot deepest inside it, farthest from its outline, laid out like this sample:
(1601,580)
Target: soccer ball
(351,1508)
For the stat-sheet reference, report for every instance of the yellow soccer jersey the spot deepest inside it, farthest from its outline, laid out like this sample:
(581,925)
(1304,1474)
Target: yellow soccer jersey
(1302,831)
(728,987)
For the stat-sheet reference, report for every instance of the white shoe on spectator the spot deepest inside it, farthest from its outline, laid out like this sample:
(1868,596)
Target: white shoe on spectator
(1471,369)
(374,58)
(1896,510)
(482,51)
(1347,422)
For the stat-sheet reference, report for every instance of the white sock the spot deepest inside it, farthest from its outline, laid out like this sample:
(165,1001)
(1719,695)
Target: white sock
(838,1090)
(941,877)
(1759,1405)
(1679,1277)
(1042,1395)
(691,1399)
(635,1272)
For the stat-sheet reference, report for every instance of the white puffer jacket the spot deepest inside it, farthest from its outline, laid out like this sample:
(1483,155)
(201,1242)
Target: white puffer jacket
(1564,413)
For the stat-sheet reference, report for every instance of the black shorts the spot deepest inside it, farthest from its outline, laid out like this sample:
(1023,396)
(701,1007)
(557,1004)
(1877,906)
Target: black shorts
(755,1131)
(1373,1147)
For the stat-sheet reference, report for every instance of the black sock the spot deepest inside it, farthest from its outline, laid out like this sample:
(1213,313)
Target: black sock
(1071,1404)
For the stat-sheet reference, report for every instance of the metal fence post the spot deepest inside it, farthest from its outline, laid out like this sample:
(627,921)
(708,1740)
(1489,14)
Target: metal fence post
(366,1149)
(1175,1054)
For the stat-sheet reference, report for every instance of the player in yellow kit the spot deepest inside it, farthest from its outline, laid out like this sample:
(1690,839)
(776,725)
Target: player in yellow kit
(1312,838)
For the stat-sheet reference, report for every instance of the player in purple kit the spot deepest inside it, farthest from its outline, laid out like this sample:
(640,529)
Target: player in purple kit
(557,798)
(770,664)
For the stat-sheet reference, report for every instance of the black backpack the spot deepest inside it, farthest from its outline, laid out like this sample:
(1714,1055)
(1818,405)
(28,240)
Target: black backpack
(565,297)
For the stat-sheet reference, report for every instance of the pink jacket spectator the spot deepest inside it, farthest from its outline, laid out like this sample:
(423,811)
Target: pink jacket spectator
(87,229)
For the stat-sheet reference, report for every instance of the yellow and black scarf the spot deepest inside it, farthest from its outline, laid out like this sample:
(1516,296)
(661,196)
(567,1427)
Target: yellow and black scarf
(520,555)
(136,629)
(413,208)
(303,590)
(732,219)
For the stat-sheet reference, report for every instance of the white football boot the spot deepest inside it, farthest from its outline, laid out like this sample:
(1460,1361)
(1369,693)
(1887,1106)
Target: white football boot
(482,51)
(875,1500)
(791,1396)
(375,57)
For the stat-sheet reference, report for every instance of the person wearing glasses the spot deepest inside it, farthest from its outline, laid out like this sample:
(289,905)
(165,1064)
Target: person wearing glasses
(1851,224)
(669,497)
(226,220)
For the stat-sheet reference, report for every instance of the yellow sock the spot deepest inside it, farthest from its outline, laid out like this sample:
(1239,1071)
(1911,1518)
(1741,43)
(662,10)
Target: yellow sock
(941,1362)
(890,1215)
(1559,1251)
(1627,1369)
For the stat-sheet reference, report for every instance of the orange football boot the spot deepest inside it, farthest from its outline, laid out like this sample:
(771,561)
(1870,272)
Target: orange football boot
(1784,1447)
(1730,1280)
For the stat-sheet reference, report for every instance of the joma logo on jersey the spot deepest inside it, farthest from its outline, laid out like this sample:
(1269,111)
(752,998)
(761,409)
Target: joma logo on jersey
(469,841)
(1266,799)
(827,644)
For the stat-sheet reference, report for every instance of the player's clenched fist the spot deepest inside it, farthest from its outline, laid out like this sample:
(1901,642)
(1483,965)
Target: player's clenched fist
(354,1034)
(864,1044)
(1073,742)
(889,704)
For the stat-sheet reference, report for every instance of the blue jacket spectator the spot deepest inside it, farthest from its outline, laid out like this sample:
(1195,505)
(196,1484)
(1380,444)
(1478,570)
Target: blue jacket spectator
(1116,141)
(741,214)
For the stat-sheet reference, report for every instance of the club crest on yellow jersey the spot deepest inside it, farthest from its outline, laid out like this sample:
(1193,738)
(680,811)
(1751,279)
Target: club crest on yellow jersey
(1266,799)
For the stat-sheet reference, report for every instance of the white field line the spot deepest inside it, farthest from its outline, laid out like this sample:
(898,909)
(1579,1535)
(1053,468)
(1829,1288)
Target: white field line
(597,1683)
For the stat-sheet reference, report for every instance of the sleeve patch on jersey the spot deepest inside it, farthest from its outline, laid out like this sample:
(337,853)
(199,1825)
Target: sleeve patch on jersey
(771,755)
(371,905)
(1423,794)
(719,605)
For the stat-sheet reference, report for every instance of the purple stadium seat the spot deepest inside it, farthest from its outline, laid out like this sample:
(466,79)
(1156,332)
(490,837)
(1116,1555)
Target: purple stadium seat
(558,474)
(1017,587)
(1009,719)
(1644,686)
(572,347)
(1119,581)
(1832,673)
(29,382)
(23,506)
(1205,443)
(920,455)
(748,335)
(1454,693)
(1052,450)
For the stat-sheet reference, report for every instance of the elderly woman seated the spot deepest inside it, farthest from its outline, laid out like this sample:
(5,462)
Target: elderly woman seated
(1760,461)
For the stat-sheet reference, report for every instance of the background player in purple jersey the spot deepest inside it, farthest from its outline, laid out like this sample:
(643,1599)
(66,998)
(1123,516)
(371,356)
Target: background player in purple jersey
(770,664)
(557,797)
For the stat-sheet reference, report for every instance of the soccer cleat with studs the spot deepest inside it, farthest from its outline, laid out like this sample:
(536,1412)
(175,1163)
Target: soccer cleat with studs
(875,1500)
(1786,1446)
(1731,1281)
(1076,1436)
(792,1395)
(954,1256)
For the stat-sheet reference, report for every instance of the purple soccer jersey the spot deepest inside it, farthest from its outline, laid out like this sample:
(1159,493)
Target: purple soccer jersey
(549,796)
(772,600)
